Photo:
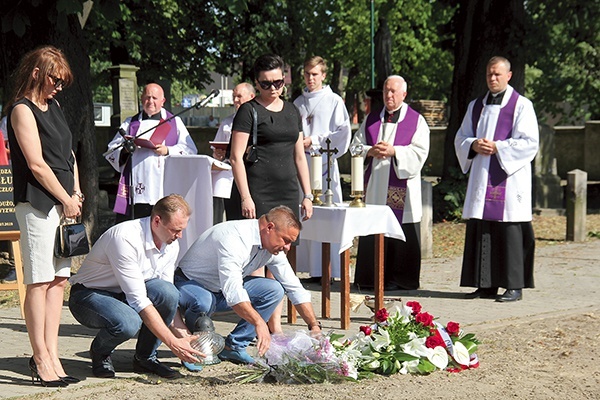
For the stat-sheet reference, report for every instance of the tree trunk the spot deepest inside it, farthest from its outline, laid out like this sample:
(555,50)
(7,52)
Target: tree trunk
(76,100)
(484,29)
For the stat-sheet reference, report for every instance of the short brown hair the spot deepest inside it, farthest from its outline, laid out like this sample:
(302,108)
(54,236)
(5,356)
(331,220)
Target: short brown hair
(283,216)
(50,61)
(312,62)
(169,205)
(499,59)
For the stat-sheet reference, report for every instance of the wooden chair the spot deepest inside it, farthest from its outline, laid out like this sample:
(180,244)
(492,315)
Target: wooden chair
(14,237)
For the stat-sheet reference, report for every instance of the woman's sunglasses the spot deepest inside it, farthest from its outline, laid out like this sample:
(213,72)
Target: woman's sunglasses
(57,81)
(265,85)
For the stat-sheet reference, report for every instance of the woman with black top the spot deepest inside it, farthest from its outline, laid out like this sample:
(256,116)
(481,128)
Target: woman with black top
(273,179)
(46,187)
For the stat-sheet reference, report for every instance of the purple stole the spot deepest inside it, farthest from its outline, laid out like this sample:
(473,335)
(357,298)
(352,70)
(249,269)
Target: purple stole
(166,132)
(405,131)
(495,195)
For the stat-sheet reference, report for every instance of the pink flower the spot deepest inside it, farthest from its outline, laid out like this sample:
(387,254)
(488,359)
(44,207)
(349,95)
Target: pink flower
(415,305)
(424,319)
(453,328)
(366,329)
(381,315)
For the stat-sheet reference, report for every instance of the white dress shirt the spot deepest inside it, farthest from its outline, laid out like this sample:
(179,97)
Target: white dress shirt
(225,254)
(124,258)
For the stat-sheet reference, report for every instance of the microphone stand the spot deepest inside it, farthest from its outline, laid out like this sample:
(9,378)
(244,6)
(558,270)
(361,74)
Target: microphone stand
(129,146)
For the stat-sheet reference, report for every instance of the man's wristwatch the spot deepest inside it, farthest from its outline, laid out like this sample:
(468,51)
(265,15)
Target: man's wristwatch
(315,323)
(309,196)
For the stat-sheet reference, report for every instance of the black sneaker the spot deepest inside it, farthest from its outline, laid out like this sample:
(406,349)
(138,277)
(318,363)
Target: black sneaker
(102,366)
(154,366)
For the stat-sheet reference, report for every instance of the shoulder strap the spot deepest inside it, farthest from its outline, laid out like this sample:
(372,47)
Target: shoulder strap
(254,125)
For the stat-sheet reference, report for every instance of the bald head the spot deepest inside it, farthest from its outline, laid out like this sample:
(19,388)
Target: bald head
(153,98)
(242,93)
(394,92)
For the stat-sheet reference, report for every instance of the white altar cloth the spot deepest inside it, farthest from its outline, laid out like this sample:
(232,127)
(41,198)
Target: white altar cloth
(340,224)
(191,177)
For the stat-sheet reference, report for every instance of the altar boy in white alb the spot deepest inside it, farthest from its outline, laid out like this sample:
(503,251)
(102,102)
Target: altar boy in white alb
(496,142)
(144,170)
(324,116)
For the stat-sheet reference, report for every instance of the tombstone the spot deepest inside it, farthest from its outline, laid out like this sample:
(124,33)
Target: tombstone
(547,189)
(576,205)
(427,220)
(125,93)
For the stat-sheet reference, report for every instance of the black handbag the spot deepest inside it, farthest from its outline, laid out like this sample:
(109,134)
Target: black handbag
(71,239)
(251,154)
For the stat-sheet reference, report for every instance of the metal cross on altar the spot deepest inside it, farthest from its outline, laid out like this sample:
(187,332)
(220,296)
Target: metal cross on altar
(328,192)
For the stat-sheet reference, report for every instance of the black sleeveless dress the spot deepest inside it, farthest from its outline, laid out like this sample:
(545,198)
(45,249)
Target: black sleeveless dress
(273,180)
(56,140)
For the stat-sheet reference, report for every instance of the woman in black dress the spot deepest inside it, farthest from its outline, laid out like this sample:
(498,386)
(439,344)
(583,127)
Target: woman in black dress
(273,179)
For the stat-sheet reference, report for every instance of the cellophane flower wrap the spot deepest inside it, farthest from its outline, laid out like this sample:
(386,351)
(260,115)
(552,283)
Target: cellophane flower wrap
(406,339)
(300,358)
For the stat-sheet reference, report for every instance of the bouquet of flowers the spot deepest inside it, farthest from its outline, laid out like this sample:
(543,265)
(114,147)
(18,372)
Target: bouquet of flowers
(300,358)
(407,340)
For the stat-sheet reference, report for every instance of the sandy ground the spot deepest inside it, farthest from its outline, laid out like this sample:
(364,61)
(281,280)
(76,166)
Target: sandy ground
(544,347)
(547,358)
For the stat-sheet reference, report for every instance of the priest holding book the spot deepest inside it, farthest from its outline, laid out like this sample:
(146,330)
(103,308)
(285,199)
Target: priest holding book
(142,171)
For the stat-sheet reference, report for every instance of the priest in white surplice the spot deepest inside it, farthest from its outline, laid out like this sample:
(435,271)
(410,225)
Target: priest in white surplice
(144,170)
(497,141)
(396,143)
(324,116)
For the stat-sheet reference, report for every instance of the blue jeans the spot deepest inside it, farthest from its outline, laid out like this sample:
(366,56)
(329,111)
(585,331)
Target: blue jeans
(194,300)
(117,321)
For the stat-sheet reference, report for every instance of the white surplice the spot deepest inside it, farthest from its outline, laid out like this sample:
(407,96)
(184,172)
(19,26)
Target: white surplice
(324,116)
(406,164)
(147,167)
(514,155)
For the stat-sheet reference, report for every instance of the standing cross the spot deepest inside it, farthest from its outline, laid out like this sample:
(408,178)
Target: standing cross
(328,192)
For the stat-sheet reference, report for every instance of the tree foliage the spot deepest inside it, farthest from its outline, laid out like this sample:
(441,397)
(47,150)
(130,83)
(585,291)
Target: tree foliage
(564,44)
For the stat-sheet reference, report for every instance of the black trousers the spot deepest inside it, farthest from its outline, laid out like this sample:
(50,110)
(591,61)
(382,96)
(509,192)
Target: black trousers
(402,260)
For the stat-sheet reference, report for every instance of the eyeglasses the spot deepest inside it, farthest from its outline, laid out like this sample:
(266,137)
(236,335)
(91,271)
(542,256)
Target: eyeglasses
(265,85)
(57,82)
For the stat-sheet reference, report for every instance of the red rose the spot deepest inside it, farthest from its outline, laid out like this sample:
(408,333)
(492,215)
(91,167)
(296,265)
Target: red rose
(366,329)
(434,341)
(381,315)
(453,328)
(415,305)
(424,319)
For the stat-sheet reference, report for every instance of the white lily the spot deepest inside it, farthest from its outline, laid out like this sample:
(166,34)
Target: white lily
(405,313)
(438,357)
(416,347)
(409,367)
(460,354)
(382,340)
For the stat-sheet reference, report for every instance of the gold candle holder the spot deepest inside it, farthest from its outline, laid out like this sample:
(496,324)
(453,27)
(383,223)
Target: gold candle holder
(357,197)
(317,197)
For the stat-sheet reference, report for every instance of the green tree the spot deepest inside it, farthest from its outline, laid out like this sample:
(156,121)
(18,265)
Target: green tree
(564,55)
